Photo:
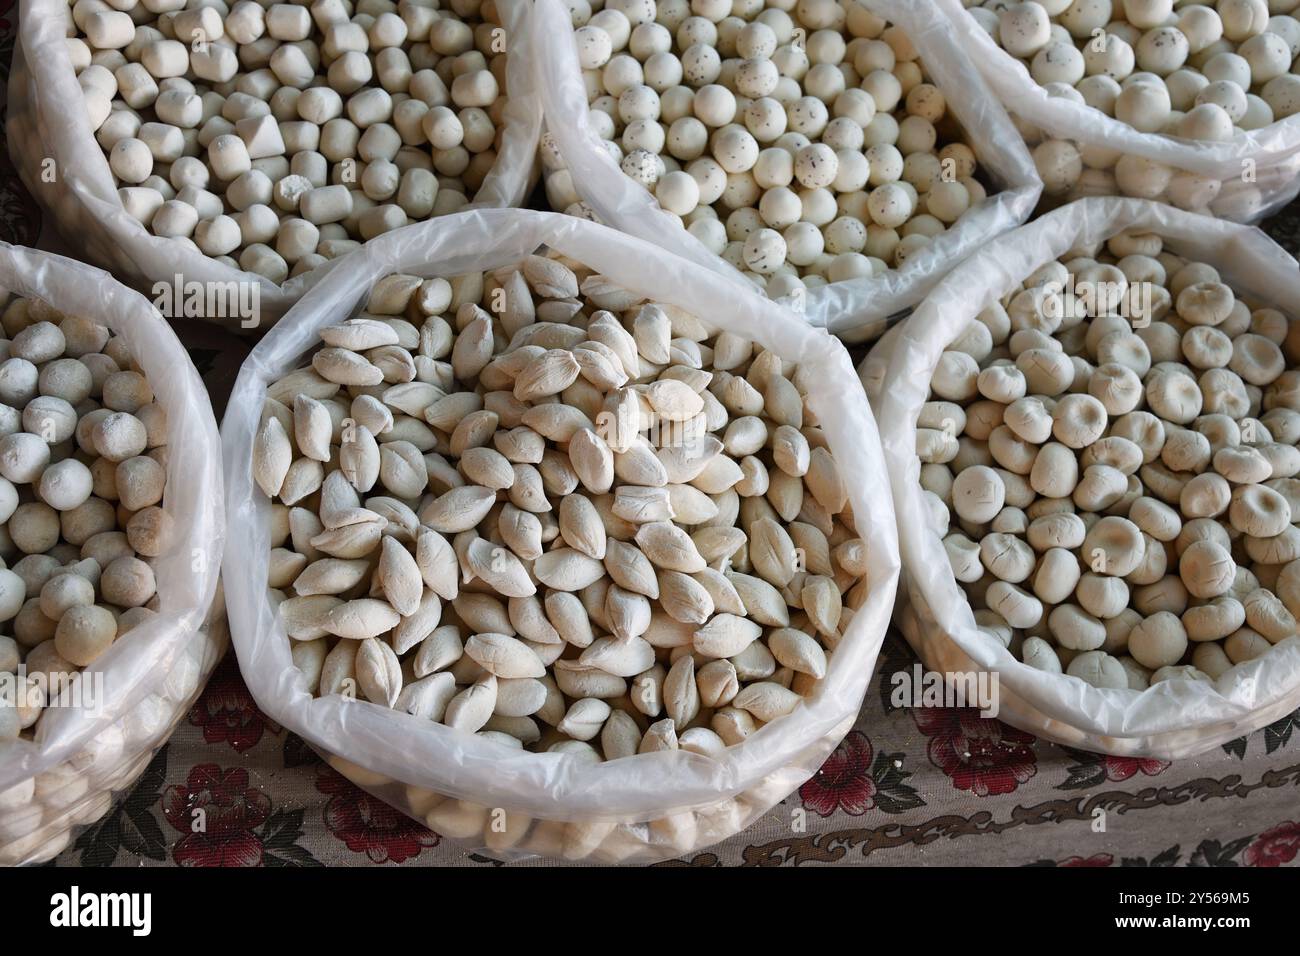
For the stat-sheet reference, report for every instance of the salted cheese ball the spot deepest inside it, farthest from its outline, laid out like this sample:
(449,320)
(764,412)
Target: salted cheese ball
(83,469)
(803,142)
(1113,447)
(275,137)
(1200,72)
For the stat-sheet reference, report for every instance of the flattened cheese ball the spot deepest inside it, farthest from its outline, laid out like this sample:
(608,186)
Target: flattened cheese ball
(1118,467)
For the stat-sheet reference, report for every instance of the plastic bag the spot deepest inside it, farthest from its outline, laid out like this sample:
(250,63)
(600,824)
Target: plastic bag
(56,154)
(1257,169)
(855,309)
(603,811)
(81,755)
(1171,719)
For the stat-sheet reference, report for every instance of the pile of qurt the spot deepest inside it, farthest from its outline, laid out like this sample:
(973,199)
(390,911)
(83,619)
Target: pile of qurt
(275,136)
(581,522)
(1117,471)
(800,142)
(1194,71)
(83,453)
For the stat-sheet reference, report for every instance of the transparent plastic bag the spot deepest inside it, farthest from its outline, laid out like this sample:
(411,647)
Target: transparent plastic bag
(855,309)
(641,808)
(56,154)
(1249,177)
(1171,719)
(81,754)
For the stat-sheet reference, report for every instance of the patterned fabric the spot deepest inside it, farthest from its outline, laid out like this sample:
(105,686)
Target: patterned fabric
(907,786)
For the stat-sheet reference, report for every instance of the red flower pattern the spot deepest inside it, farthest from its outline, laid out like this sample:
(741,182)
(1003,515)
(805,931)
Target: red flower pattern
(230,812)
(1121,768)
(979,754)
(1099,859)
(368,825)
(1276,846)
(226,711)
(844,781)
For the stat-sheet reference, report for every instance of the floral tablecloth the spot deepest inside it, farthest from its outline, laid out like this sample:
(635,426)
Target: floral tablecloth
(929,786)
(925,786)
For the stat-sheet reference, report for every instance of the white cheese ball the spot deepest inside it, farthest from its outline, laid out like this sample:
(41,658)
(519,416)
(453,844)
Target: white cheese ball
(1024,29)
(678,192)
(765,251)
(1155,66)
(1109,498)
(220,106)
(800,114)
(62,384)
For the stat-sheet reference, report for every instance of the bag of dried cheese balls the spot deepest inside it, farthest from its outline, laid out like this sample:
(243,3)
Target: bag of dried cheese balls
(103,732)
(1243,178)
(855,308)
(65,161)
(1183,711)
(642,807)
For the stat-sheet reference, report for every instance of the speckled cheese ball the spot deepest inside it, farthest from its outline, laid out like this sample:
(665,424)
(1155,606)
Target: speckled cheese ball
(82,482)
(819,149)
(1115,445)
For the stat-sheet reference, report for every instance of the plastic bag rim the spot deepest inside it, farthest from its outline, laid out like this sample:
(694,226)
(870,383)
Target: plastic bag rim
(921,544)
(168,633)
(507,186)
(824,305)
(554,230)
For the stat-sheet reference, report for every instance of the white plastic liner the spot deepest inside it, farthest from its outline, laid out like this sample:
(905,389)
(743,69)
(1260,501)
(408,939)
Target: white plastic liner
(151,675)
(856,309)
(1171,719)
(56,154)
(601,812)
(1259,169)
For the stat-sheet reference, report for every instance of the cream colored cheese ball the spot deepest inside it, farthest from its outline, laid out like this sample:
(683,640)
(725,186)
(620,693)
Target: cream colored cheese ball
(276,137)
(1199,71)
(1114,446)
(600,527)
(82,489)
(804,143)
(1163,61)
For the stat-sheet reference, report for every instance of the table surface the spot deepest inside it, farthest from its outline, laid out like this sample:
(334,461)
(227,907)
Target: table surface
(919,786)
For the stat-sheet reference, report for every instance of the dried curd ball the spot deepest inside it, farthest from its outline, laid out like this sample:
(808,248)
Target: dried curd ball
(1192,71)
(803,142)
(583,523)
(1114,443)
(276,136)
(83,453)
